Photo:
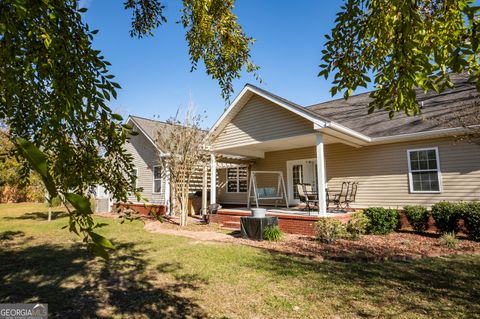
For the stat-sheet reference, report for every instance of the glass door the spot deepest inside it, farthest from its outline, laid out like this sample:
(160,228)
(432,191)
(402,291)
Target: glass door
(299,172)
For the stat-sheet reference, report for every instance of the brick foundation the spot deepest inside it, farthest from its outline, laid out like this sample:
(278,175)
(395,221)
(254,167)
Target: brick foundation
(293,224)
(143,209)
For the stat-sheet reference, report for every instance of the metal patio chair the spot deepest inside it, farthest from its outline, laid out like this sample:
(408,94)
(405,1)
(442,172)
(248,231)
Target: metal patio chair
(352,193)
(340,199)
(307,197)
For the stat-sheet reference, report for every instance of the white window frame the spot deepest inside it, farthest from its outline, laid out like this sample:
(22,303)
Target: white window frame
(438,170)
(156,179)
(238,179)
(136,176)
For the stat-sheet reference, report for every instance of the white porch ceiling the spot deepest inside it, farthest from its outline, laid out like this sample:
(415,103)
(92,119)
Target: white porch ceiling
(258,149)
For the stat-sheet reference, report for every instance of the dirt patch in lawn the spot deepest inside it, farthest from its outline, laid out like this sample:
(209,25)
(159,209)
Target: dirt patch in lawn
(370,248)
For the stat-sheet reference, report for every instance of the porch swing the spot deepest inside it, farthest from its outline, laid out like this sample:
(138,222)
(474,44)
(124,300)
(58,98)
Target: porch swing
(266,193)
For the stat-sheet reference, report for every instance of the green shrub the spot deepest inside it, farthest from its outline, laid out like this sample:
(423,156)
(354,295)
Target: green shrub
(471,218)
(357,225)
(381,220)
(417,217)
(328,230)
(272,233)
(449,240)
(446,216)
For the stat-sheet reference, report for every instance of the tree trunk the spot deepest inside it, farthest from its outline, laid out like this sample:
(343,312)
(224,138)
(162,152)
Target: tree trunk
(50,212)
(184,214)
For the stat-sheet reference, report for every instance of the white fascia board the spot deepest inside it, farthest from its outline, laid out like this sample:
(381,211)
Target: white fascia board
(418,135)
(227,111)
(394,138)
(345,130)
(130,119)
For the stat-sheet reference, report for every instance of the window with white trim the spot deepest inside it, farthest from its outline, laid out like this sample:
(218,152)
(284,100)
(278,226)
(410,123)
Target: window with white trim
(424,170)
(237,179)
(157,179)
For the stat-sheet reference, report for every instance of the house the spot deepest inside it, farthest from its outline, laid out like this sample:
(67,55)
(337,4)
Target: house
(398,162)
(154,185)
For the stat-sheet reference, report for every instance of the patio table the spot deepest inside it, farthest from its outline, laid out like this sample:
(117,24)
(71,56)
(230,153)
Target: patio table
(253,227)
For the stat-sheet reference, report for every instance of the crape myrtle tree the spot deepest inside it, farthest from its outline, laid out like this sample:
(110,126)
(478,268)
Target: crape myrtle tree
(399,45)
(55,89)
(183,156)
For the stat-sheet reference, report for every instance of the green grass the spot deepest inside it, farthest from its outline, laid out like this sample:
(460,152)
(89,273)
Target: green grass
(152,275)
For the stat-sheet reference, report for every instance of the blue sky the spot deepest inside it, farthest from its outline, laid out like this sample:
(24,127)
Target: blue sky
(155,72)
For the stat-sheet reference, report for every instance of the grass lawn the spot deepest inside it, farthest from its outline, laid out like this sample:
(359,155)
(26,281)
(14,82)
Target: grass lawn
(152,275)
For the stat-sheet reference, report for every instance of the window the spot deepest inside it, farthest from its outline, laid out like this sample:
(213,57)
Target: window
(424,171)
(157,179)
(135,178)
(237,180)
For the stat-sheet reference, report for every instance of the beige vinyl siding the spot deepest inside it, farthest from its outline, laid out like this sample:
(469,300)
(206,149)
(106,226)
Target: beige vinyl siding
(261,120)
(144,158)
(382,171)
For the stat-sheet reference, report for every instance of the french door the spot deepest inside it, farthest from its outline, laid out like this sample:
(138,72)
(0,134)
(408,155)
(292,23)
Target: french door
(300,172)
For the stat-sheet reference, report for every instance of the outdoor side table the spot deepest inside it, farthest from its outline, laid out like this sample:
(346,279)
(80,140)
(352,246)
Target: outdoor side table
(253,227)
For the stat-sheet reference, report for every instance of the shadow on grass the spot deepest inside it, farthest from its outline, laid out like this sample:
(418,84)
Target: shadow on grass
(75,284)
(39,215)
(11,234)
(436,287)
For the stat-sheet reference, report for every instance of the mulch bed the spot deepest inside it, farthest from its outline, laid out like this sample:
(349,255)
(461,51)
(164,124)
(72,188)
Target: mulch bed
(398,246)
(401,246)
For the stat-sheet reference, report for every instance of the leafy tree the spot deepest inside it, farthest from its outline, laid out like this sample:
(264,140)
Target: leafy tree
(401,44)
(54,90)
(54,87)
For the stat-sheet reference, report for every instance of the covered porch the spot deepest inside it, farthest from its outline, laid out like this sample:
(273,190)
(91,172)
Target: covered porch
(274,169)
(281,141)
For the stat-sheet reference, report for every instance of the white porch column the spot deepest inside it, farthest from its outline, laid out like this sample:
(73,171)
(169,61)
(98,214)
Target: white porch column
(322,196)
(213,179)
(204,190)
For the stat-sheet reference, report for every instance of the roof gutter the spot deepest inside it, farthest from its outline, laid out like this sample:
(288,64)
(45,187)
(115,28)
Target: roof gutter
(394,138)
(420,135)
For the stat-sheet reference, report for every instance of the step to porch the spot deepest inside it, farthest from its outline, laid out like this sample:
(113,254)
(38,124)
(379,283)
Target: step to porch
(231,225)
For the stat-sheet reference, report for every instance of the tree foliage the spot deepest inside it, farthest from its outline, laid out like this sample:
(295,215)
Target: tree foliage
(212,32)
(214,36)
(54,90)
(401,44)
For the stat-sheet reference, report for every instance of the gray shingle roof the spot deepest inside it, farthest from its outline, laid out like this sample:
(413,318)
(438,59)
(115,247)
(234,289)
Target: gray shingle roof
(150,127)
(438,111)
